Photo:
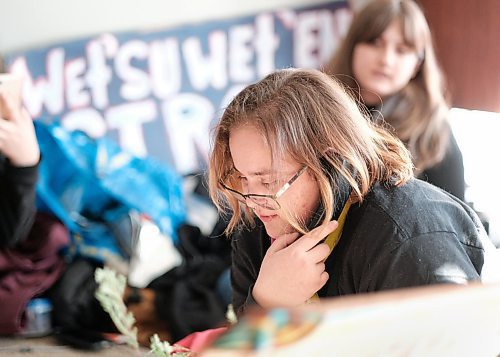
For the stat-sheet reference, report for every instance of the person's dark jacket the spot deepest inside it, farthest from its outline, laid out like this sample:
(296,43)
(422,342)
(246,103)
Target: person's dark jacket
(17,202)
(397,237)
(448,174)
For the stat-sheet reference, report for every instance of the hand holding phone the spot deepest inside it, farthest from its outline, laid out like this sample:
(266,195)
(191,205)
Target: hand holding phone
(18,141)
(10,86)
(293,268)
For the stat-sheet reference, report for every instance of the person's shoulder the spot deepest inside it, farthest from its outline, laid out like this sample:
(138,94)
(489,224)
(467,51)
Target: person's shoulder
(418,207)
(453,149)
(413,193)
(409,195)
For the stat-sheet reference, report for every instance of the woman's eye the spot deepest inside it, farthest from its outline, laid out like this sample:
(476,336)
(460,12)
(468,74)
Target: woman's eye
(376,42)
(404,49)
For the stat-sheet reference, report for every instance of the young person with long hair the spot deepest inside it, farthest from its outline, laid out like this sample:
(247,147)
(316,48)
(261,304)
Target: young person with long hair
(388,58)
(323,201)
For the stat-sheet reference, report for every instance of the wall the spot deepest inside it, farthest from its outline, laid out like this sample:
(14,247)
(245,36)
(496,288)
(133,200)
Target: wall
(465,34)
(30,23)
(159,92)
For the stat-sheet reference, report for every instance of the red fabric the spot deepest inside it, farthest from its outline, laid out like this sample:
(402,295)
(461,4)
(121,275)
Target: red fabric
(197,341)
(29,269)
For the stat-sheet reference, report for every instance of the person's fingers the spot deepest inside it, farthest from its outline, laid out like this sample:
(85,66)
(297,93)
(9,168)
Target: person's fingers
(8,107)
(25,115)
(6,126)
(319,253)
(2,106)
(320,267)
(315,236)
(324,278)
(284,241)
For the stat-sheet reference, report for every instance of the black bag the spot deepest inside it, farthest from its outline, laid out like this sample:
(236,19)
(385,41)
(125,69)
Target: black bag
(186,296)
(78,316)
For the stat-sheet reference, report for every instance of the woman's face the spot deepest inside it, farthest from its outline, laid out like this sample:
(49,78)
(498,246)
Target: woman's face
(252,162)
(385,66)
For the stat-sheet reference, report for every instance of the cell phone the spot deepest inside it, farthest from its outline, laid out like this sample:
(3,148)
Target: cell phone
(11,84)
(342,196)
(344,191)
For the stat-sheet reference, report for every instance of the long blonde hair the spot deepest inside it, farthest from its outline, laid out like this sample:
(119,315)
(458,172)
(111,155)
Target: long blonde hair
(420,110)
(307,115)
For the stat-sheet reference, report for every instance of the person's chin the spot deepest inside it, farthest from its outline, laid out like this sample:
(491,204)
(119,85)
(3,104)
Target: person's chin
(275,231)
(384,88)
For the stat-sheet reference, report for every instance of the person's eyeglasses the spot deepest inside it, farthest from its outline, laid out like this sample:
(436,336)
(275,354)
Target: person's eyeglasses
(269,202)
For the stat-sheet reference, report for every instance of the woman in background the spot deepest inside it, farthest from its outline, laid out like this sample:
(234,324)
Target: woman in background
(388,58)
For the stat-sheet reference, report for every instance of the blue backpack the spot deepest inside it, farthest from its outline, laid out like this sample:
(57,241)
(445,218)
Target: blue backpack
(98,191)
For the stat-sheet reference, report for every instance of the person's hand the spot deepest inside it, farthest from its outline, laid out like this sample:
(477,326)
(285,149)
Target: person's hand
(17,134)
(293,269)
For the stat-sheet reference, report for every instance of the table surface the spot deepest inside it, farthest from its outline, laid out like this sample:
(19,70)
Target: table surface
(427,321)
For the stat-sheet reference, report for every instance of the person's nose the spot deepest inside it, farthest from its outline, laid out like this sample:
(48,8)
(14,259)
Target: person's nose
(387,56)
(255,188)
